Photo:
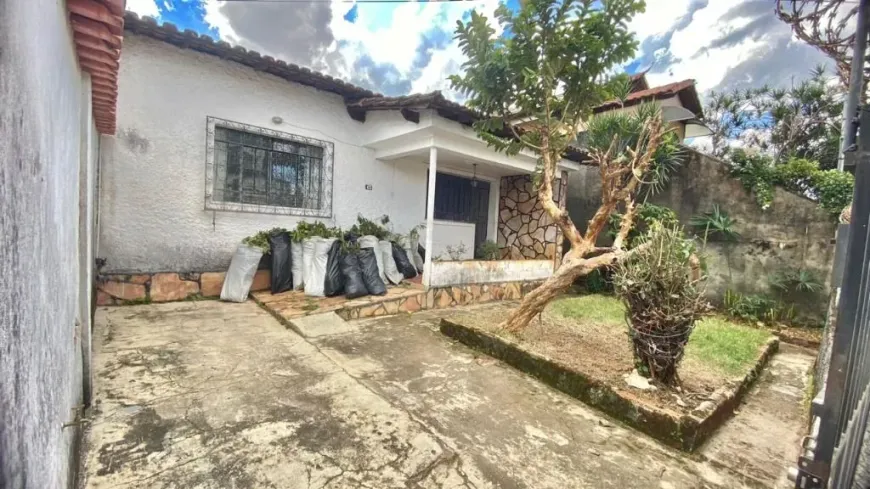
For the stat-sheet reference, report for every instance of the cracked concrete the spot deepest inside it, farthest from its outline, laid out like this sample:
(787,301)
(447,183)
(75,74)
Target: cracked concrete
(216,395)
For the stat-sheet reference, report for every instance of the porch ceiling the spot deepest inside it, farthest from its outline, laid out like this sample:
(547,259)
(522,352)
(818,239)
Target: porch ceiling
(459,147)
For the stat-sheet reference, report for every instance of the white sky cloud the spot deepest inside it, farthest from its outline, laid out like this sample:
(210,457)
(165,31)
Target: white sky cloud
(144,7)
(708,68)
(387,36)
(757,43)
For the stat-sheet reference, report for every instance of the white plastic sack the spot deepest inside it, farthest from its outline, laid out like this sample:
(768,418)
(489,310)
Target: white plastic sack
(317,269)
(390,269)
(240,275)
(296,264)
(307,258)
(372,242)
(414,253)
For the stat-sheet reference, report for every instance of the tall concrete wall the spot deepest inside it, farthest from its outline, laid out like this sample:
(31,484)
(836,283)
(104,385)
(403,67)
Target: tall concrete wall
(793,232)
(41,106)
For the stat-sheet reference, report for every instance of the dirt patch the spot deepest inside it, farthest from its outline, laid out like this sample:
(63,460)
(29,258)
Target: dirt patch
(601,351)
(805,337)
(590,361)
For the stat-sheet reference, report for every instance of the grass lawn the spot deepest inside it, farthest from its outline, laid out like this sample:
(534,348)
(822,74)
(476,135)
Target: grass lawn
(588,333)
(716,341)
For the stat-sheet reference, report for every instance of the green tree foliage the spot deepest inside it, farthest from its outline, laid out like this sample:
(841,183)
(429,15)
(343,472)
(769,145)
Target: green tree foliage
(550,66)
(647,214)
(802,121)
(534,87)
(832,189)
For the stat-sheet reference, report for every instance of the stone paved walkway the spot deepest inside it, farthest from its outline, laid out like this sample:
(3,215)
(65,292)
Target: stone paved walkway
(215,395)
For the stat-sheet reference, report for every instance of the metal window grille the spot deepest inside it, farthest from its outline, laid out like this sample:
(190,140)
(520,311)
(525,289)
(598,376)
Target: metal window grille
(251,169)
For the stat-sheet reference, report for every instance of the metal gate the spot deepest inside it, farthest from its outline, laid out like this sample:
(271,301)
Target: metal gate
(837,453)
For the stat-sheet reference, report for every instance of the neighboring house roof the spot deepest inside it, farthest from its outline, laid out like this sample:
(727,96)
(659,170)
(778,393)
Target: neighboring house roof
(188,39)
(638,82)
(685,90)
(98,29)
(410,104)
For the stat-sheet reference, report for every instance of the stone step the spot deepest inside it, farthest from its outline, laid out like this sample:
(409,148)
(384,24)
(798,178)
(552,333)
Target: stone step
(324,324)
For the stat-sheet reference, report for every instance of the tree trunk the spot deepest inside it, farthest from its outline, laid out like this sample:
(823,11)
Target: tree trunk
(574,265)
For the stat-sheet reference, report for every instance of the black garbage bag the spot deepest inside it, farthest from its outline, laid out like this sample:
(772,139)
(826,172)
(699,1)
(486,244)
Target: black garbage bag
(333,283)
(403,263)
(282,276)
(372,278)
(351,273)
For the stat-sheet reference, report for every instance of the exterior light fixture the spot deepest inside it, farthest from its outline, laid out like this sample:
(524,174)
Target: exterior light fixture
(474,178)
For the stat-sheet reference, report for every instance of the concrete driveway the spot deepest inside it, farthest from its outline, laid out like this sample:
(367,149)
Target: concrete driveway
(216,395)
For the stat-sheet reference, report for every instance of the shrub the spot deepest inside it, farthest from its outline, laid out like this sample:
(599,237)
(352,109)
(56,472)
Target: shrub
(757,173)
(488,250)
(597,281)
(456,252)
(749,307)
(797,174)
(647,214)
(833,189)
(663,294)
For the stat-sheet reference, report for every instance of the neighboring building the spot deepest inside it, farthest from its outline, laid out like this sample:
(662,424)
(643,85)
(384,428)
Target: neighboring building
(672,98)
(216,143)
(58,67)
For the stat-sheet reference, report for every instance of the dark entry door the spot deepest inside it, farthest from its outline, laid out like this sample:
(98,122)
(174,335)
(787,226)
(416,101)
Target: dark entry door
(465,200)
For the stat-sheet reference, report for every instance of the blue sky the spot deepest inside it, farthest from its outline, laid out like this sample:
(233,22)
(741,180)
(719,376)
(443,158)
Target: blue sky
(400,48)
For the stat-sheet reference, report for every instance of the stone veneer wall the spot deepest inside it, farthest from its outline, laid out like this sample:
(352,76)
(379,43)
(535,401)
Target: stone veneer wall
(441,298)
(525,230)
(120,289)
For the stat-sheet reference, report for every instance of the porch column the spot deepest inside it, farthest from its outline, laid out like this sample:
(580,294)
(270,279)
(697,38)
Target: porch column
(430,214)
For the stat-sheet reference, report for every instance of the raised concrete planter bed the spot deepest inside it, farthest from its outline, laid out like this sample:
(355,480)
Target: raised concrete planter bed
(683,431)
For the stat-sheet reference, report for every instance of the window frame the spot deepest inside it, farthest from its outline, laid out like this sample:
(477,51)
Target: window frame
(325,211)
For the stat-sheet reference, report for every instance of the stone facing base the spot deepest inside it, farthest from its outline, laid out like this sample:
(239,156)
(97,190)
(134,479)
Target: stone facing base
(119,289)
(116,290)
(440,298)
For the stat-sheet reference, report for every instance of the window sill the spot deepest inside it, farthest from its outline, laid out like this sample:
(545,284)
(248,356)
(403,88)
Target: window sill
(211,205)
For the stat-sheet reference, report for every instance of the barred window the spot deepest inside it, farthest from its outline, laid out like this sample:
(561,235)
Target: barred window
(266,171)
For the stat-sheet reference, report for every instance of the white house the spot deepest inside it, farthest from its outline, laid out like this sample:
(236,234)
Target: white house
(215,143)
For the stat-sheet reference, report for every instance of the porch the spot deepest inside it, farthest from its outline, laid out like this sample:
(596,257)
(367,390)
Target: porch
(481,204)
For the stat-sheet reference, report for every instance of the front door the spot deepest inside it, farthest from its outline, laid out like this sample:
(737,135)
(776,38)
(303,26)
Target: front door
(464,200)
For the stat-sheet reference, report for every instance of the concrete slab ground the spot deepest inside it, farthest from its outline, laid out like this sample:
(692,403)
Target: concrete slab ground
(216,395)
(764,437)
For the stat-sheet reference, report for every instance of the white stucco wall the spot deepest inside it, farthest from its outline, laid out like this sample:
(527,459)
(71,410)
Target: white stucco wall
(450,233)
(483,272)
(152,215)
(88,156)
(41,109)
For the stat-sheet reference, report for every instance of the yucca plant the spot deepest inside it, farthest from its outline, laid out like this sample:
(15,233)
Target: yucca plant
(795,280)
(662,287)
(716,223)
